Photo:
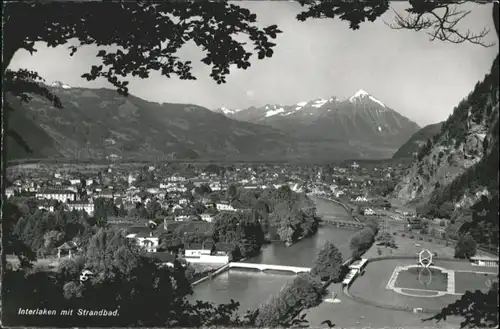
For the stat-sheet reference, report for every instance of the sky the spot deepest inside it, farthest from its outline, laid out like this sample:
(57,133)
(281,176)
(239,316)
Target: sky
(319,58)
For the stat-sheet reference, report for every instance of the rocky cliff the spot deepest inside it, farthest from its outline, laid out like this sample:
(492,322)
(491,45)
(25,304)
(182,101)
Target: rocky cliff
(459,163)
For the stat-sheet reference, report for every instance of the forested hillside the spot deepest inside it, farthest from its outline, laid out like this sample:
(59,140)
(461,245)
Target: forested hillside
(460,163)
(417,140)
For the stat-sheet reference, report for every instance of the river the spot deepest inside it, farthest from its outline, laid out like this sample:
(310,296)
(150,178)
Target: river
(251,288)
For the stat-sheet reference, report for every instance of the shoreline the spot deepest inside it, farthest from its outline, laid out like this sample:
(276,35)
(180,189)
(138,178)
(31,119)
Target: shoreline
(270,242)
(346,208)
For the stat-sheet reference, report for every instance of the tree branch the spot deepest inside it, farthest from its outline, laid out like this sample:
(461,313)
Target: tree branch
(424,16)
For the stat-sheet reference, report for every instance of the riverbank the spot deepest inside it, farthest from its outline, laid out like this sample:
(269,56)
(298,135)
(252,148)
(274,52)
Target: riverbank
(346,207)
(251,288)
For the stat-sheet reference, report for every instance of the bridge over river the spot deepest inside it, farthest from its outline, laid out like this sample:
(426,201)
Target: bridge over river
(253,284)
(265,267)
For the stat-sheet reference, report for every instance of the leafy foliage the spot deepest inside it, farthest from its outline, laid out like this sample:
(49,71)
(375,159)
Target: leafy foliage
(386,239)
(146,35)
(466,247)
(241,229)
(328,263)
(305,291)
(363,240)
(479,309)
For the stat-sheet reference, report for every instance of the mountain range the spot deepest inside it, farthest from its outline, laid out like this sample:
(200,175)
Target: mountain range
(99,123)
(362,122)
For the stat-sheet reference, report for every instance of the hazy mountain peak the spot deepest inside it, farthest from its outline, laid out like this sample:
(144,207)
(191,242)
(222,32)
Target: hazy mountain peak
(362,94)
(59,84)
(227,111)
(359,93)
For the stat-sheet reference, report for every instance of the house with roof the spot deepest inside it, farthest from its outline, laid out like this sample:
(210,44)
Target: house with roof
(61,195)
(486,261)
(207,217)
(195,250)
(205,253)
(87,206)
(144,237)
(46,205)
(224,206)
(369,212)
(69,247)
(106,193)
(166,258)
(9,192)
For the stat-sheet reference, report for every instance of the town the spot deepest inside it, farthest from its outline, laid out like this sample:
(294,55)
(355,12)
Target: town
(174,205)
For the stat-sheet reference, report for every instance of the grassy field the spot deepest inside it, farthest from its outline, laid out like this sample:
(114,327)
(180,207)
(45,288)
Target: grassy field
(351,314)
(473,281)
(410,247)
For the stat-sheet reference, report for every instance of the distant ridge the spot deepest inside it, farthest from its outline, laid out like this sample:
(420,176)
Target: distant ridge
(417,140)
(361,123)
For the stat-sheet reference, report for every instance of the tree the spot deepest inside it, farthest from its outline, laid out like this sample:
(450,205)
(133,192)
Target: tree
(466,246)
(12,241)
(232,192)
(361,241)
(328,263)
(479,309)
(386,239)
(109,250)
(154,209)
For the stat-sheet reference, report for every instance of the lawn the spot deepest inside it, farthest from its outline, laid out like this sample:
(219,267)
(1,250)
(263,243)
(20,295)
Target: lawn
(410,247)
(409,278)
(351,314)
(473,281)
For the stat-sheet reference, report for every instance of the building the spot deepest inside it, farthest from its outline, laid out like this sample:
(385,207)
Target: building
(224,206)
(146,240)
(484,261)
(205,253)
(87,206)
(369,212)
(197,250)
(9,192)
(106,193)
(206,217)
(69,247)
(56,194)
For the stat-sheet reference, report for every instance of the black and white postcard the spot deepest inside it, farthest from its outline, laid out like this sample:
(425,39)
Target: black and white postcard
(291,164)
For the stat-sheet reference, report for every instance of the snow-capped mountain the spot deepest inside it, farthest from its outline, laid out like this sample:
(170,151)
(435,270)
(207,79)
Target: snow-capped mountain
(361,118)
(270,113)
(59,84)
(362,95)
(226,111)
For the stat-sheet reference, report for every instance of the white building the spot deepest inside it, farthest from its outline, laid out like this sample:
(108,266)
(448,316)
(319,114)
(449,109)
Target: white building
(206,217)
(59,195)
(9,192)
(224,206)
(369,212)
(196,252)
(484,261)
(149,242)
(88,207)
(46,207)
